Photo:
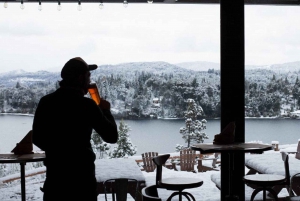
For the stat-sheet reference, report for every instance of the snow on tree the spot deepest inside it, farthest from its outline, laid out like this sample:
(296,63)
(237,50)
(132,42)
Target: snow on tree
(130,90)
(99,145)
(179,147)
(124,146)
(193,130)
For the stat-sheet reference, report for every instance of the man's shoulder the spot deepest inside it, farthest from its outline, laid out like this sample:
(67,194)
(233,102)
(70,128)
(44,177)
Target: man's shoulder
(89,101)
(49,96)
(60,95)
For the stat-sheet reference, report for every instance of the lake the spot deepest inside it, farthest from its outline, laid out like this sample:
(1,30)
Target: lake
(163,135)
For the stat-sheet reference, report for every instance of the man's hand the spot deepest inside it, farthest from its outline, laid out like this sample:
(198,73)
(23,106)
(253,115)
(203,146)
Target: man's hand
(104,104)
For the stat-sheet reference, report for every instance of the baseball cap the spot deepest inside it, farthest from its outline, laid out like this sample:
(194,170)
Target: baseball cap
(75,67)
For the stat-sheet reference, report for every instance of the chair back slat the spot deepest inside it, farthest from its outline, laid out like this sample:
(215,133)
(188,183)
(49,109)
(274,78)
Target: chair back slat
(149,165)
(119,188)
(187,160)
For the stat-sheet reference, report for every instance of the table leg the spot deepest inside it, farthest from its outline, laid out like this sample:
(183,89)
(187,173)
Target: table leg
(138,194)
(23,193)
(231,197)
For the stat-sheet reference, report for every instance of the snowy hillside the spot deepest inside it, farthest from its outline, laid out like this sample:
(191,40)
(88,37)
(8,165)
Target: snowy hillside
(147,67)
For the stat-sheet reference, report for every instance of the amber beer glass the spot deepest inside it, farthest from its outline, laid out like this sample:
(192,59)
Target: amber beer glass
(94,93)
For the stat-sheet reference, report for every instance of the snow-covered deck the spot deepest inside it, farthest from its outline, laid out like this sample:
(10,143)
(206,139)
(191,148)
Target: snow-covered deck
(207,192)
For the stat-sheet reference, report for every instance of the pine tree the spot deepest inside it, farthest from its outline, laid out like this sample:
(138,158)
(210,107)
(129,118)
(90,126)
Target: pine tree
(57,85)
(193,130)
(18,85)
(124,145)
(100,146)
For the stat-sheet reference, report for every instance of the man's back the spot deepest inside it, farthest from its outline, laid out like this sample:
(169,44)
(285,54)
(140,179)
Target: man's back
(65,121)
(62,127)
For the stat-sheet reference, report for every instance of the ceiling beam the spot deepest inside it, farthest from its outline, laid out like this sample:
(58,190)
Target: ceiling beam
(247,2)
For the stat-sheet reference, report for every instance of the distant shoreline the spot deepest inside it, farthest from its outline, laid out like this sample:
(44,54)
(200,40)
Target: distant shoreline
(17,114)
(171,118)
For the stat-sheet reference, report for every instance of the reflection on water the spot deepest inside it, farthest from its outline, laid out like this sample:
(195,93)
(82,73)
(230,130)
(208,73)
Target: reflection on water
(163,135)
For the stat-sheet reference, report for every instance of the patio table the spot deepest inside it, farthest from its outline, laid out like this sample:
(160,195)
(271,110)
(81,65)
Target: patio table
(119,168)
(231,149)
(22,159)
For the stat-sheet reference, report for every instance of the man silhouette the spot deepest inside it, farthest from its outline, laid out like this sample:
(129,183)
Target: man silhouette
(62,127)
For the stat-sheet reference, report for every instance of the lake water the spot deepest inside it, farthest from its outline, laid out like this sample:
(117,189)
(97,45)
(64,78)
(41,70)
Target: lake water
(163,135)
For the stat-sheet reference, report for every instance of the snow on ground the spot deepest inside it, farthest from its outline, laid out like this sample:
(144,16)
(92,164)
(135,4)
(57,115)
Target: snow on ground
(207,192)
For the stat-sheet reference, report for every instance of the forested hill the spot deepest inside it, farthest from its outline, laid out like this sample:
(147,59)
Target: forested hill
(160,89)
(130,69)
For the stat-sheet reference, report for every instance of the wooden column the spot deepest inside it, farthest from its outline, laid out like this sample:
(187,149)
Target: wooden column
(232,92)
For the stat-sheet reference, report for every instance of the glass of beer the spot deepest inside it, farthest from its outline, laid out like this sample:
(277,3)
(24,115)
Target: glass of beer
(94,93)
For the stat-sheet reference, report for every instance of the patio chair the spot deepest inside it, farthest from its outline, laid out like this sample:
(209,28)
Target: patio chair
(177,184)
(149,193)
(265,182)
(215,158)
(292,196)
(119,188)
(187,161)
(149,166)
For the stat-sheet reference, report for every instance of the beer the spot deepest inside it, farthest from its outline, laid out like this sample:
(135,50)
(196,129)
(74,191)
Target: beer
(94,93)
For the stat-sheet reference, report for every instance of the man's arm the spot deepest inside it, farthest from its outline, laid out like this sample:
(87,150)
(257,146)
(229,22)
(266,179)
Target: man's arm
(106,127)
(37,138)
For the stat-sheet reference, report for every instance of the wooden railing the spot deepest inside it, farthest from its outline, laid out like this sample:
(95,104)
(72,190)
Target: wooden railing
(28,173)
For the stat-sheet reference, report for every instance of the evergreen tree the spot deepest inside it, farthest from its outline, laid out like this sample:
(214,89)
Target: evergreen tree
(18,85)
(179,147)
(124,145)
(57,85)
(194,83)
(193,130)
(286,81)
(100,146)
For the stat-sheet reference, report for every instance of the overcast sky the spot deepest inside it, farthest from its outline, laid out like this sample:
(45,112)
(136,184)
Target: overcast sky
(44,40)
